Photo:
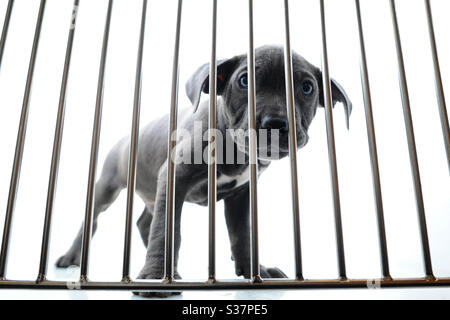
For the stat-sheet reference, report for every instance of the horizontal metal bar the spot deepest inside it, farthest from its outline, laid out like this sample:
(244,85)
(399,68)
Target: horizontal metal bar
(157,285)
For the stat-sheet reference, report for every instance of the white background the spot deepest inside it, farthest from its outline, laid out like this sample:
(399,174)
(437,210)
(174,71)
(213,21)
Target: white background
(275,216)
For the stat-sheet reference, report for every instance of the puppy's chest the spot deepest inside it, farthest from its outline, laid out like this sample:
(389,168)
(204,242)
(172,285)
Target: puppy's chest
(226,183)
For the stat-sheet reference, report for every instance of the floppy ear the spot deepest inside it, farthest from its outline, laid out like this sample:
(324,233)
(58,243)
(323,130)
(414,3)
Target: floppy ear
(199,81)
(338,94)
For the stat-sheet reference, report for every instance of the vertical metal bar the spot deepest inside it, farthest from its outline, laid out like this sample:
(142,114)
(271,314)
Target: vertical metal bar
(212,168)
(20,143)
(255,272)
(87,226)
(170,195)
(132,161)
(372,147)
(438,82)
(292,142)
(5,29)
(56,148)
(411,145)
(332,146)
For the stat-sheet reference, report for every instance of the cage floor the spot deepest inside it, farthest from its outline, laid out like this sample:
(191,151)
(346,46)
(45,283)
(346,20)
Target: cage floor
(377,294)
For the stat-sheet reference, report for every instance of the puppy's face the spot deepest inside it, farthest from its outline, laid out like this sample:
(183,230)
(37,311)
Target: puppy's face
(271,110)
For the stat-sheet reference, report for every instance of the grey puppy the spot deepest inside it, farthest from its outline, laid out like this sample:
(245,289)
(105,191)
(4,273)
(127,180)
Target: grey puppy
(192,179)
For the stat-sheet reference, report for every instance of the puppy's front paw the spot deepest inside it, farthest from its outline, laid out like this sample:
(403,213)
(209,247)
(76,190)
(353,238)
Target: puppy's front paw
(153,294)
(271,273)
(69,259)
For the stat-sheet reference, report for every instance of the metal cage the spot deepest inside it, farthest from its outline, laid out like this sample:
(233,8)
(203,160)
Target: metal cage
(169,283)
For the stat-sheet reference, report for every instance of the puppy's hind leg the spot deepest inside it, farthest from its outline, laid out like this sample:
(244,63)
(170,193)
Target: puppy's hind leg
(107,189)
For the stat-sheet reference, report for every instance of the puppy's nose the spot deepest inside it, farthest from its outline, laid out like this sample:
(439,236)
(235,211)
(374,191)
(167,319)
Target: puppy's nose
(275,122)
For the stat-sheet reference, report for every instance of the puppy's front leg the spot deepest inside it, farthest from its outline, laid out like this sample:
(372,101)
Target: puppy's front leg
(154,263)
(237,216)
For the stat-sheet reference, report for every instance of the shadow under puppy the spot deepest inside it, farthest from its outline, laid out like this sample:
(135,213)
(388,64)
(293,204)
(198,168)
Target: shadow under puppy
(192,176)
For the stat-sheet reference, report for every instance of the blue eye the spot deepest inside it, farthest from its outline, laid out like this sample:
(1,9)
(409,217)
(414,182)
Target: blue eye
(307,87)
(243,81)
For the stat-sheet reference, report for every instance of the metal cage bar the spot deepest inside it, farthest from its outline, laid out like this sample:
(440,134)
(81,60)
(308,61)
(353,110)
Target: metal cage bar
(253,156)
(372,147)
(5,29)
(132,161)
(292,143)
(18,155)
(212,165)
(411,144)
(54,167)
(170,195)
(87,226)
(156,285)
(332,146)
(438,82)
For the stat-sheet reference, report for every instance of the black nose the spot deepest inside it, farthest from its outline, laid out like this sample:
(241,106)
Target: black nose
(275,122)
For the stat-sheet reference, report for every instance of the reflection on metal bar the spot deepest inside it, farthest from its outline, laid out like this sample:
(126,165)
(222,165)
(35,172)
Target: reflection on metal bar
(132,161)
(332,146)
(87,226)
(411,144)
(20,144)
(170,193)
(212,168)
(292,143)
(155,285)
(438,82)
(5,29)
(56,148)
(372,147)
(253,156)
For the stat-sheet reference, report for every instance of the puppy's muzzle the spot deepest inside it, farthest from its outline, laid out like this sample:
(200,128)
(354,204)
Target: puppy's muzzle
(275,128)
(275,122)
(279,123)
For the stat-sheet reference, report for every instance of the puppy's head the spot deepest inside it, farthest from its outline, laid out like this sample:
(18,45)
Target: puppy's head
(271,111)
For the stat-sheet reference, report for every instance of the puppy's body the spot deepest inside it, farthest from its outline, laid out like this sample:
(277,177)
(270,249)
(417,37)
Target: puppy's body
(192,179)
(152,159)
